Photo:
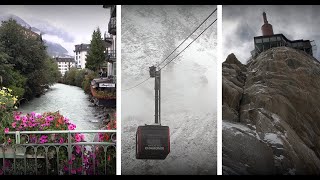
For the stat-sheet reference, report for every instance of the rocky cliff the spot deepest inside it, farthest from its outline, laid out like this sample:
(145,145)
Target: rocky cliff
(271,114)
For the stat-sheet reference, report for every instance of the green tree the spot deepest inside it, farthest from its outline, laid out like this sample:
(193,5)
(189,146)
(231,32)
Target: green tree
(79,78)
(53,74)
(70,76)
(27,57)
(96,54)
(86,84)
(10,78)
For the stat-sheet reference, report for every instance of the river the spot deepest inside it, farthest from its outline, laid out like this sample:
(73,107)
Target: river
(70,101)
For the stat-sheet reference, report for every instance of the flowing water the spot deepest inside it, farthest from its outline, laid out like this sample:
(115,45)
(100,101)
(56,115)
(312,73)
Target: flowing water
(70,101)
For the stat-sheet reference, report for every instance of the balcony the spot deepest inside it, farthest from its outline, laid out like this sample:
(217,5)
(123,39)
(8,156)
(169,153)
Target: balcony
(113,11)
(111,56)
(112,26)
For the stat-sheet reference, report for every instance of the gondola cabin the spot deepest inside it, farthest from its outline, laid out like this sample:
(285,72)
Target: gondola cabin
(152,142)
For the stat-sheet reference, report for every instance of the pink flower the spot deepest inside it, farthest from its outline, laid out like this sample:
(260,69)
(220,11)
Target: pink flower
(73,171)
(43,139)
(9,141)
(85,159)
(17,117)
(39,116)
(65,168)
(71,127)
(66,120)
(61,140)
(78,137)
(78,149)
(82,137)
(24,119)
(49,118)
(79,169)
(14,124)
(1,172)
(6,130)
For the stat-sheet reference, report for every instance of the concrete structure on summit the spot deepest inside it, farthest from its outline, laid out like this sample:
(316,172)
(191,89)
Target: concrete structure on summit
(269,40)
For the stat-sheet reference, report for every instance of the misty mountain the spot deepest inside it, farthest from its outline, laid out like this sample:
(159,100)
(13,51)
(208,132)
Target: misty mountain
(5,17)
(53,49)
(49,29)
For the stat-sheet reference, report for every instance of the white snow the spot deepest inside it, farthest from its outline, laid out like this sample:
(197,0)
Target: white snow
(272,138)
(279,158)
(292,171)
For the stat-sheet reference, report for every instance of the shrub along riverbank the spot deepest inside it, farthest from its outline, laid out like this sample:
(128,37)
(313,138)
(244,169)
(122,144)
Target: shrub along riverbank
(79,77)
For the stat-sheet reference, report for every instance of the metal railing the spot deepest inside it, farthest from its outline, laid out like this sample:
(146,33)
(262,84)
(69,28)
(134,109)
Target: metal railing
(26,157)
(112,25)
(111,55)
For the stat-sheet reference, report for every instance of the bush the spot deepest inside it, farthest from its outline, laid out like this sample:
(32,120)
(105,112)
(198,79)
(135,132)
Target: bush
(7,105)
(79,78)
(87,82)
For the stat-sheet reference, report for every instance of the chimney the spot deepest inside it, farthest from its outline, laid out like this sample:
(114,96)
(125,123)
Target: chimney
(266,28)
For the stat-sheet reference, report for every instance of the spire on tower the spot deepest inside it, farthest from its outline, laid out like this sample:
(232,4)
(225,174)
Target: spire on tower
(265,17)
(266,27)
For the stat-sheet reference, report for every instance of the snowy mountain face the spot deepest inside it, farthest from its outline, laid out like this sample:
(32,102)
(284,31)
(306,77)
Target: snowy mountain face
(53,49)
(271,114)
(188,87)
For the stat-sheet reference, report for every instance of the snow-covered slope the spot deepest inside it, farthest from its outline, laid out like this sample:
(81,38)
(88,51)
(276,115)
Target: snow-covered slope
(149,34)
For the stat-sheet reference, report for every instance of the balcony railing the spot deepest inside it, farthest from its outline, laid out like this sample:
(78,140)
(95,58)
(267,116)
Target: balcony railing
(111,55)
(113,11)
(58,158)
(112,25)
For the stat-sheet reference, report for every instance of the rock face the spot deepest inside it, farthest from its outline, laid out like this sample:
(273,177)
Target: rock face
(271,112)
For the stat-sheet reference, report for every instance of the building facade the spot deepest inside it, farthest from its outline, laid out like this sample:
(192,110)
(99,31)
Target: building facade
(111,42)
(64,64)
(80,52)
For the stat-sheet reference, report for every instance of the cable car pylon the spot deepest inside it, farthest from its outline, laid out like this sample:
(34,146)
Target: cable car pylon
(153,141)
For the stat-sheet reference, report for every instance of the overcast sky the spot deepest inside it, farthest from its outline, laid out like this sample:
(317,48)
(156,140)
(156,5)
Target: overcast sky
(75,22)
(242,23)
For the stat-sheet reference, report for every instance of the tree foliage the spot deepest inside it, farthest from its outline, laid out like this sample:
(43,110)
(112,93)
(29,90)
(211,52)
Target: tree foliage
(96,54)
(25,65)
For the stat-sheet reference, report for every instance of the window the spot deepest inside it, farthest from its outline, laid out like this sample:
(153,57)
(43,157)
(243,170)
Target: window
(273,39)
(258,40)
(266,40)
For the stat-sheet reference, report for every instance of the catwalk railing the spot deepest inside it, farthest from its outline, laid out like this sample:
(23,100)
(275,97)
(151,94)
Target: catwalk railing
(69,156)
